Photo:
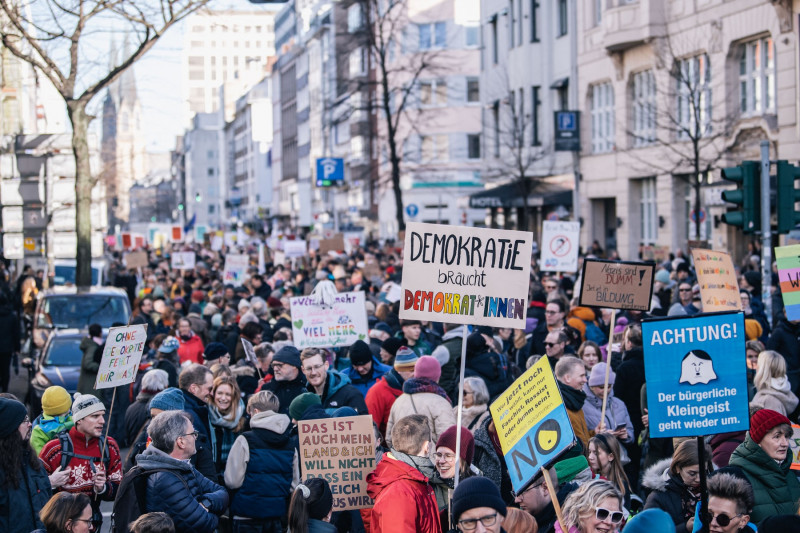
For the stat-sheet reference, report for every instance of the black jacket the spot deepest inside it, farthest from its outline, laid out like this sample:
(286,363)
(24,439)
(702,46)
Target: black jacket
(546,519)
(286,391)
(784,340)
(9,329)
(628,385)
(669,494)
(490,367)
(19,507)
(229,336)
(136,416)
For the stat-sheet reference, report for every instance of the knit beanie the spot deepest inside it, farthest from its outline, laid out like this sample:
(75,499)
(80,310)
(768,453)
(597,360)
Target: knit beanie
(476,343)
(301,403)
(662,276)
(391,345)
(763,421)
(752,329)
(214,351)
(56,401)
(650,521)
(427,367)
(289,355)
(318,508)
(170,399)
(448,440)
(360,353)
(567,469)
(12,413)
(598,375)
(85,405)
(405,360)
(474,492)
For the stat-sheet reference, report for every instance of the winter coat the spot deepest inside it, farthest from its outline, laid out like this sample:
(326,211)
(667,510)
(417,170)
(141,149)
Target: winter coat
(263,466)
(190,350)
(339,393)
(136,416)
(404,500)
(198,411)
(286,391)
(776,396)
(669,494)
(775,486)
(784,340)
(437,409)
(472,417)
(364,383)
(450,349)
(229,336)
(381,398)
(167,493)
(45,429)
(9,330)
(616,412)
(318,526)
(492,368)
(89,366)
(486,459)
(628,386)
(19,507)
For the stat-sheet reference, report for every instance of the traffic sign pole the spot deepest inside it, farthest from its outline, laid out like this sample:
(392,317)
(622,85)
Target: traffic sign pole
(766,234)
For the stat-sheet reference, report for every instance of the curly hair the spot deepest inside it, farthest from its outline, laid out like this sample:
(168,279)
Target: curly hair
(584,501)
(14,453)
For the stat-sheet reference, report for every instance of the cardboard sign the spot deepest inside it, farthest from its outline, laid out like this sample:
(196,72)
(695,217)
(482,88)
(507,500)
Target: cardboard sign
(560,246)
(788,260)
(235,269)
(794,447)
(121,355)
(334,244)
(659,254)
(294,248)
(318,326)
(696,375)
(136,259)
(372,269)
(176,234)
(249,351)
(341,451)
(183,260)
(532,423)
(466,275)
(716,276)
(617,284)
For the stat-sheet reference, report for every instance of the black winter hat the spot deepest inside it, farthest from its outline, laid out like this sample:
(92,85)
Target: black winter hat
(214,351)
(12,413)
(360,354)
(289,355)
(477,491)
(391,345)
(476,343)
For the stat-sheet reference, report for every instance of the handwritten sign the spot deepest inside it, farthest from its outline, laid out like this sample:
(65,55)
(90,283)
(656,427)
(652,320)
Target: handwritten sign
(235,269)
(466,275)
(794,447)
(334,244)
(121,355)
(717,279)
(136,259)
(183,260)
(319,326)
(617,284)
(788,260)
(560,246)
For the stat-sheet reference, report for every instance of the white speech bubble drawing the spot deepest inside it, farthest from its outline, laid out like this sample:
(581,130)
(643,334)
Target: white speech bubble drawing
(697,367)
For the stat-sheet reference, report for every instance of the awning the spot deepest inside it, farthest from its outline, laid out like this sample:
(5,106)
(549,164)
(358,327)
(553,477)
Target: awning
(510,195)
(560,83)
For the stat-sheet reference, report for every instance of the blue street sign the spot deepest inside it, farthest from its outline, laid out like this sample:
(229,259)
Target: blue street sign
(567,138)
(412,210)
(330,171)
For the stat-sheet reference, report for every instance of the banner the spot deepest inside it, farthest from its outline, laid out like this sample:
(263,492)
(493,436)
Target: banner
(466,275)
(617,284)
(136,259)
(121,356)
(341,451)
(696,375)
(235,269)
(532,423)
(788,260)
(560,246)
(183,260)
(319,326)
(294,248)
(716,276)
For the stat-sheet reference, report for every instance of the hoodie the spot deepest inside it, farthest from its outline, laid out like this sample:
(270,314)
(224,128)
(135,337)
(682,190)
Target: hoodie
(340,393)
(777,396)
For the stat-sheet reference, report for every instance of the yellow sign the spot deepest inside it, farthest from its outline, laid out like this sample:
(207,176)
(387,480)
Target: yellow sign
(30,244)
(716,276)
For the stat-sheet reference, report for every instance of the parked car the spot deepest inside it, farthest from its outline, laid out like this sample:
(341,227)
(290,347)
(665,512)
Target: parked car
(64,272)
(73,307)
(58,363)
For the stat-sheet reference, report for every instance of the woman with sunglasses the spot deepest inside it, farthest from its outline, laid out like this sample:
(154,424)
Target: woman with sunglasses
(596,507)
(67,512)
(730,499)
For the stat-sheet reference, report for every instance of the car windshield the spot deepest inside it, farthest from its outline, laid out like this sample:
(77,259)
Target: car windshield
(64,352)
(65,274)
(81,310)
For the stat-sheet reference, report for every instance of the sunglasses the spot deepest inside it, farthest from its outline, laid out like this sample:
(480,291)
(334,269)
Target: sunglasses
(615,517)
(722,519)
(550,344)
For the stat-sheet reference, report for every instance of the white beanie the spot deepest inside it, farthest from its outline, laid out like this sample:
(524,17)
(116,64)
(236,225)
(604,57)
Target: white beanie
(85,405)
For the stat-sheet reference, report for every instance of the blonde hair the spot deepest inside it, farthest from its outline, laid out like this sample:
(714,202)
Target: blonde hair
(771,364)
(583,502)
(263,401)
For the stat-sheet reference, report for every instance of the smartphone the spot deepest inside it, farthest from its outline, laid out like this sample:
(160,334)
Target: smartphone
(620,426)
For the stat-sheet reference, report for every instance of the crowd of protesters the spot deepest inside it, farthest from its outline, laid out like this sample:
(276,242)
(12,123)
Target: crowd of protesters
(211,432)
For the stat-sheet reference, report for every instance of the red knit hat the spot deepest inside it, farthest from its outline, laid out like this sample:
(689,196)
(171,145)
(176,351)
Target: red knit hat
(763,421)
(428,367)
(448,440)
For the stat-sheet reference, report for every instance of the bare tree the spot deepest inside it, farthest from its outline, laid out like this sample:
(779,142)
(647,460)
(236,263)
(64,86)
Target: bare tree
(58,38)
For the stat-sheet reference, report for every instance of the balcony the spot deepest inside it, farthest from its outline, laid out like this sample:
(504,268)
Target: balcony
(630,23)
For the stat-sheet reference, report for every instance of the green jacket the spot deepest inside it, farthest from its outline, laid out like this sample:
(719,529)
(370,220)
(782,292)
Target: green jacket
(775,486)
(45,429)
(89,367)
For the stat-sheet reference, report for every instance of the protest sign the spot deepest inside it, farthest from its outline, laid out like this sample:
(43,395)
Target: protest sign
(279,257)
(560,246)
(659,254)
(229,237)
(696,375)
(294,248)
(617,284)
(372,269)
(788,260)
(176,234)
(532,423)
(249,351)
(216,242)
(794,447)
(183,260)
(136,259)
(466,275)
(235,268)
(320,326)
(719,288)
(334,244)
(341,451)
(123,351)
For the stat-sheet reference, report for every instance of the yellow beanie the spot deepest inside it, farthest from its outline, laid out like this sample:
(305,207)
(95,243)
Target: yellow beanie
(752,329)
(56,401)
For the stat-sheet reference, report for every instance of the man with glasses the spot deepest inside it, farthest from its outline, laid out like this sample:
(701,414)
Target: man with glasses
(554,312)
(288,382)
(555,345)
(477,506)
(173,485)
(535,499)
(333,388)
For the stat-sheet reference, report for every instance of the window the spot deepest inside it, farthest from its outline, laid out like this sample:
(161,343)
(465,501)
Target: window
(649,213)
(520,22)
(358,62)
(357,148)
(494,39)
(602,118)
(535,107)
(598,12)
(210,172)
(433,93)
(644,108)
(473,90)
(562,18)
(757,77)
(496,122)
(472,35)
(432,35)
(534,21)
(354,20)
(693,78)
(210,154)
(474,146)
(512,21)
(211,209)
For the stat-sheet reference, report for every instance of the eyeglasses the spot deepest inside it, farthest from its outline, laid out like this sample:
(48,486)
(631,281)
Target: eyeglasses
(615,517)
(447,456)
(278,365)
(194,434)
(526,489)
(722,519)
(684,290)
(470,524)
(550,344)
(310,369)
(91,524)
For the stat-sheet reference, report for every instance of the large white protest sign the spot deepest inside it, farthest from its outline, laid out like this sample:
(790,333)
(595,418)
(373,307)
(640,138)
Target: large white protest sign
(121,356)
(466,275)
(183,260)
(235,269)
(560,246)
(320,326)
(294,248)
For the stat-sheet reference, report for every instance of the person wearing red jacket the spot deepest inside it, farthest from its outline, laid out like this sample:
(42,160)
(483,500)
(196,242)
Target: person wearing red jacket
(86,468)
(191,346)
(382,395)
(404,500)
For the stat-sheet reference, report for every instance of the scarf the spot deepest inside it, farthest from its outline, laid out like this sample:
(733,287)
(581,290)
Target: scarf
(229,421)
(423,464)
(415,385)
(573,399)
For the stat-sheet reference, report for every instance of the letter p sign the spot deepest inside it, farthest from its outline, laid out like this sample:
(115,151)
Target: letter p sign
(330,171)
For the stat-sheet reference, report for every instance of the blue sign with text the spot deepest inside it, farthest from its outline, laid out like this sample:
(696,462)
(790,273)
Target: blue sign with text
(696,375)
(330,171)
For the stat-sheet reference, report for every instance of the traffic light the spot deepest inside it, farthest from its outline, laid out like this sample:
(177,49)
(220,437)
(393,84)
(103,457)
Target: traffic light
(747,195)
(788,196)
(180,206)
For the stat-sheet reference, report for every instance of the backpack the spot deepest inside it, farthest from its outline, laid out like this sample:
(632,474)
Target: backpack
(130,502)
(68,450)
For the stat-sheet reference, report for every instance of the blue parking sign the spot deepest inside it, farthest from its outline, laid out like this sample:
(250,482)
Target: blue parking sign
(330,171)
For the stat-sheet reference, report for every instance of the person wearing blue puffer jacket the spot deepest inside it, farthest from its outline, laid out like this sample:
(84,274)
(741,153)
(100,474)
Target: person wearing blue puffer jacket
(365,369)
